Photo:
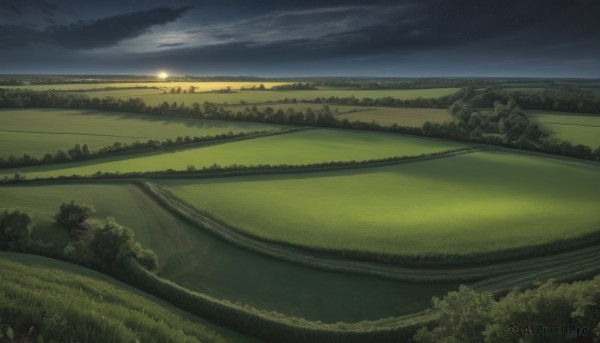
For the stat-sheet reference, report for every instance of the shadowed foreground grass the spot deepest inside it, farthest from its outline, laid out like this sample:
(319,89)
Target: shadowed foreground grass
(64,302)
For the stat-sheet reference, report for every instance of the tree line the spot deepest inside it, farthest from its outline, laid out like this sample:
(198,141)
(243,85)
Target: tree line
(515,129)
(81,152)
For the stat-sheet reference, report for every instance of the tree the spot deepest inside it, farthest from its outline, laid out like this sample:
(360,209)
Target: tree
(464,315)
(15,229)
(74,213)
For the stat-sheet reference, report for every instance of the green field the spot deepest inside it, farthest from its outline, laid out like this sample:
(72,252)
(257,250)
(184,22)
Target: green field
(298,107)
(387,116)
(304,147)
(67,302)
(39,131)
(201,262)
(255,97)
(441,206)
(402,116)
(576,128)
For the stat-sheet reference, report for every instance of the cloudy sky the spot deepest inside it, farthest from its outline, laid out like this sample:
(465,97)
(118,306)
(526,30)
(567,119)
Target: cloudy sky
(278,38)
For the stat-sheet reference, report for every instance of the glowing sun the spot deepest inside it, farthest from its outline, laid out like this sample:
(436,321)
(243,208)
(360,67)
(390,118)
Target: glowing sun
(163,75)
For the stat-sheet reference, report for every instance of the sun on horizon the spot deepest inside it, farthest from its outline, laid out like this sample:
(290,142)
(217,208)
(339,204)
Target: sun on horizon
(163,75)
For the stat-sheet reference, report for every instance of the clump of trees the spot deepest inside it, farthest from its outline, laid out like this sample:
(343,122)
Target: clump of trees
(469,316)
(294,86)
(73,214)
(15,229)
(104,247)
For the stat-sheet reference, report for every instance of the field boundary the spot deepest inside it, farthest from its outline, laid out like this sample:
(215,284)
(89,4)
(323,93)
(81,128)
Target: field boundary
(242,170)
(347,261)
(277,327)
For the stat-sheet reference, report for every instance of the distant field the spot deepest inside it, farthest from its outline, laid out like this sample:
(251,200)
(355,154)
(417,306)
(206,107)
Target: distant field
(200,86)
(254,97)
(38,131)
(576,128)
(71,303)
(442,206)
(525,89)
(402,116)
(298,107)
(201,262)
(304,147)
(386,116)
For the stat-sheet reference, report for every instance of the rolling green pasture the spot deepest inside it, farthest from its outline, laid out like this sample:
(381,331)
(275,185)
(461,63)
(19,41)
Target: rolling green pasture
(67,302)
(442,206)
(387,116)
(303,147)
(576,128)
(201,262)
(402,116)
(255,97)
(298,107)
(39,131)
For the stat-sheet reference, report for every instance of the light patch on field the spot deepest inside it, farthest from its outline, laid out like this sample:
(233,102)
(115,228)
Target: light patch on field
(447,205)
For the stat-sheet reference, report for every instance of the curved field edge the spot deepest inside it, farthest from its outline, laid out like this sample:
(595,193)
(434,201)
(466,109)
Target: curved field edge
(243,170)
(275,327)
(207,220)
(39,293)
(315,146)
(473,268)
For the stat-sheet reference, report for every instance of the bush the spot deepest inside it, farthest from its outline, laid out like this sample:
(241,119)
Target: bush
(105,246)
(469,316)
(74,213)
(15,229)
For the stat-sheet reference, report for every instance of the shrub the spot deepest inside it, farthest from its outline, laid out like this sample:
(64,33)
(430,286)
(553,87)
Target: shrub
(74,213)
(15,229)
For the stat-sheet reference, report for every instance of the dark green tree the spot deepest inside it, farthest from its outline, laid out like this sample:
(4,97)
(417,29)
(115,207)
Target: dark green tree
(15,229)
(74,213)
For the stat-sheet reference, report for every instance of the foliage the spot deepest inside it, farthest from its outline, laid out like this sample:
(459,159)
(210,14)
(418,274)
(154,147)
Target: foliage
(15,229)
(73,213)
(104,247)
(463,315)
(44,300)
(469,316)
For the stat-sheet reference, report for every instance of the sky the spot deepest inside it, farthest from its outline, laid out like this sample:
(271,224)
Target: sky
(283,38)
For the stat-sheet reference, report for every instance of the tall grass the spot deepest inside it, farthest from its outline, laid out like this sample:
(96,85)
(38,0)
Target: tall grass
(63,302)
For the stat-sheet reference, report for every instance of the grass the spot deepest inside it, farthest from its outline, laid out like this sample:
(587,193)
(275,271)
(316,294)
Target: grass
(387,116)
(303,147)
(576,128)
(298,107)
(255,97)
(201,262)
(443,206)
(39,131)
(65,302)
(200,86)
(402,116)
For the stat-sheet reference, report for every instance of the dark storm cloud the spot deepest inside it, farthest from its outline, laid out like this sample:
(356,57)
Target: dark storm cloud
(108,31)
(254,36)
(91,33)
(18,7)
(358,31)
